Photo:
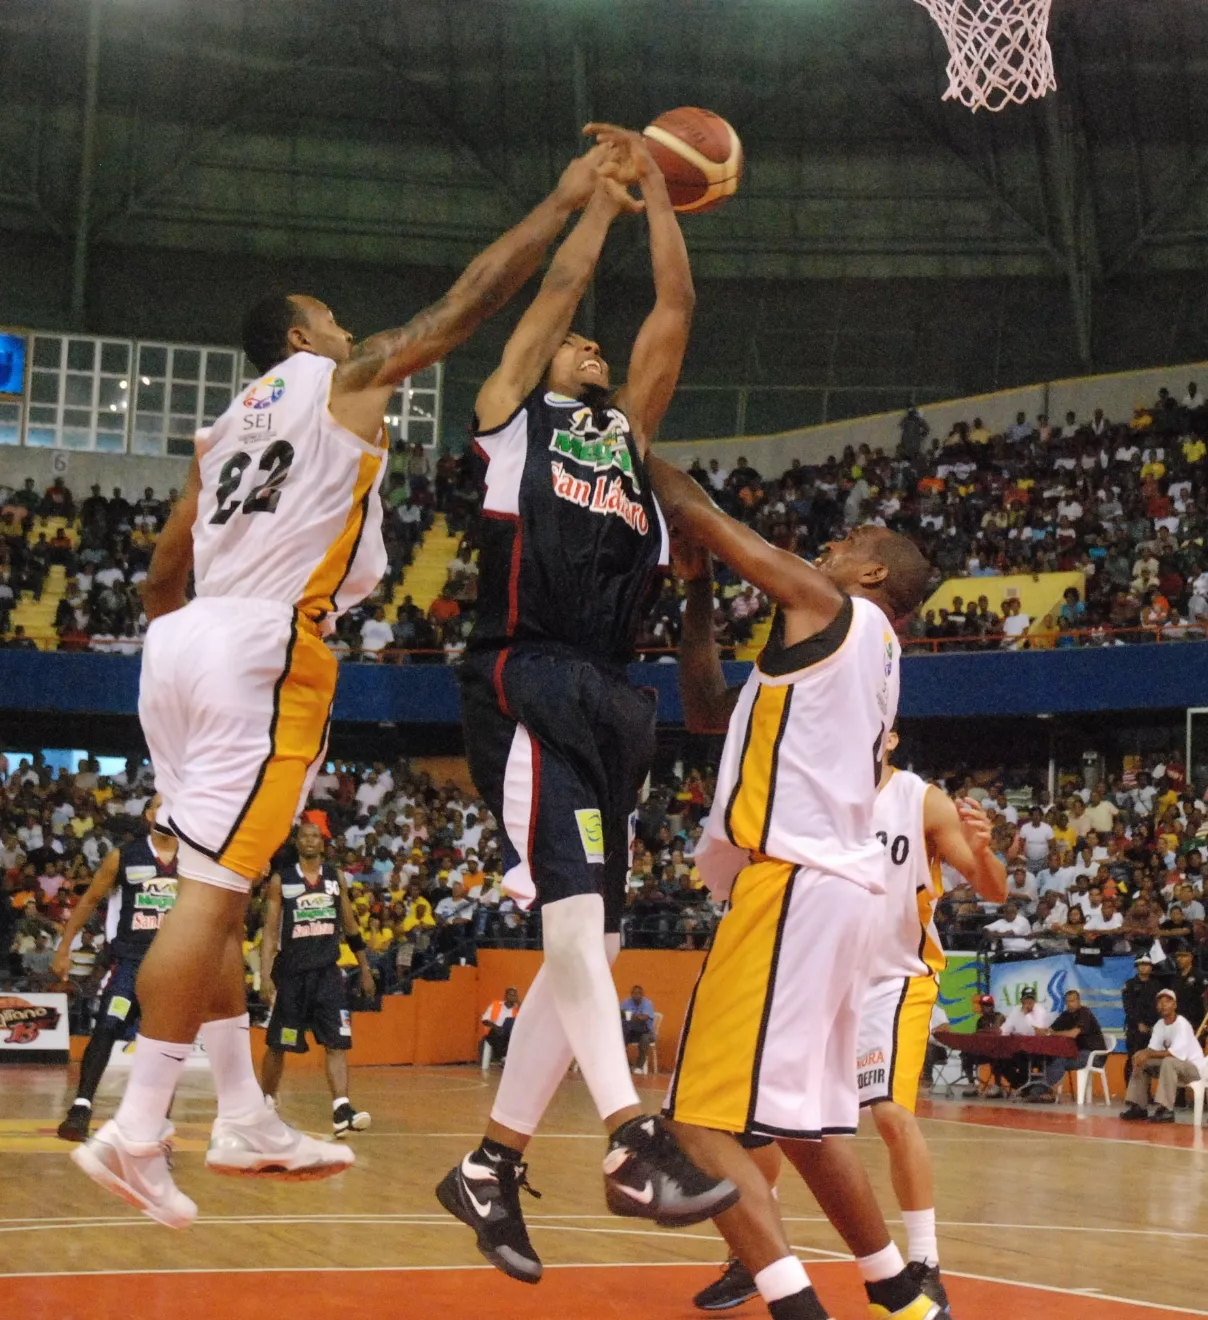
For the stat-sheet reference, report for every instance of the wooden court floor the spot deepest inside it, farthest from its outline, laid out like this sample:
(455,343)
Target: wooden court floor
(1043,1215)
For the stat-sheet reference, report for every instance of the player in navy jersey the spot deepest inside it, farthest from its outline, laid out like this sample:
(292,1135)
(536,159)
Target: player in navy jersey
(559,743)
(139,881)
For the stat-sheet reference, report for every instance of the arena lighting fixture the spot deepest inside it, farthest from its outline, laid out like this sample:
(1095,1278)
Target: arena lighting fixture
(123,384)
(146,380)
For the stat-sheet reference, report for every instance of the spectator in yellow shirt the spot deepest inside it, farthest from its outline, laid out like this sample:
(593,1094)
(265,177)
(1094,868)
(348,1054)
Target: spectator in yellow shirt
(1063,834)
(1155,468)
(1194,449)
(419,912)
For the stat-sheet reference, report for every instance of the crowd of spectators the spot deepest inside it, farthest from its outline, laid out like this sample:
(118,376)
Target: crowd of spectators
(1114,867)
(1120,501)
(422,862)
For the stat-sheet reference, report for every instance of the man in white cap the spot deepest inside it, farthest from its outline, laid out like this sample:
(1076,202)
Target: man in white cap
(1174,1057)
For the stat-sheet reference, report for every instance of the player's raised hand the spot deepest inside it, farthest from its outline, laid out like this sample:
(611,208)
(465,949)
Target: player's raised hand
(580,178)
(616,195)
(975,824)
(633,159)
(690,562)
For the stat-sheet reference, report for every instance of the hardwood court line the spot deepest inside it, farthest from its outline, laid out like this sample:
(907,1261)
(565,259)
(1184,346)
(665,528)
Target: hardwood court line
(421,1218)
(678,1264)
(1197,1142)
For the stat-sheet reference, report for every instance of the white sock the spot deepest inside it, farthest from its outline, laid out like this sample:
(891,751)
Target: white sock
(921,1241)
(883,1265)
(228,1046)
(782,1278)
(79,1100)
(581,984)
(340,1100)
(538,1055)
(154,1073)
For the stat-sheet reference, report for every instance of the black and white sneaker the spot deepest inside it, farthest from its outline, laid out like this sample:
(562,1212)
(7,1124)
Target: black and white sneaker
(75,1126)
(486,1197)
(927,1279)
(345,1119)
(733,1288)
(648,1176)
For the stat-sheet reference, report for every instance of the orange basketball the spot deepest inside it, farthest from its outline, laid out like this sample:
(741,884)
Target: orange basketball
(700,156)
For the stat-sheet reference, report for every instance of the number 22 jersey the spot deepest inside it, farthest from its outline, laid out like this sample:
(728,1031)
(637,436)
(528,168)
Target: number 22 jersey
(289,508)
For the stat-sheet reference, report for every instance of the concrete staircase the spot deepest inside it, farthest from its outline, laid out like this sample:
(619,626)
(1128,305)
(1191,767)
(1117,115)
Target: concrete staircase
(425,578)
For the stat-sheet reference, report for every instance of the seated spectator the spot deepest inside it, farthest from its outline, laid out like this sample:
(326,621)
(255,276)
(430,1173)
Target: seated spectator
(1174,1056)
(1022,888)
(376,635)
(1012,929)
(1081,1025)
(499,1018)
(638,1014)
(462,575)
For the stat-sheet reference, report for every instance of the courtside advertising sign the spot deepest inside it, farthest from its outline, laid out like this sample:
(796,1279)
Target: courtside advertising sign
(32,1023)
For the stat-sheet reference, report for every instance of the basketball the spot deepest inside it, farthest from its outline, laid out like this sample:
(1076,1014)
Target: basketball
(700,155)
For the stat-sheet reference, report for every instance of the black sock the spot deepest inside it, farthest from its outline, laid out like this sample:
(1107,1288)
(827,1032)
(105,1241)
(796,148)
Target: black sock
(800,1306)
(495,1152)
(94,1062)
(893,1294)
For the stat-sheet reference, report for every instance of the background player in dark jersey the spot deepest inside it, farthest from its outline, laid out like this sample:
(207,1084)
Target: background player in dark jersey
(307,908)
(139,880)
(558,741)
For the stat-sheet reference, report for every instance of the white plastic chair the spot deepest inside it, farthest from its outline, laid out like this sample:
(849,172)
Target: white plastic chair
(1197,1101)
(1096,1066)
(652,1054)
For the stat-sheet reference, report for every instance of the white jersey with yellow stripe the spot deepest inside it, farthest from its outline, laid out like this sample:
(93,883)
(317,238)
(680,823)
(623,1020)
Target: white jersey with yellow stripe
(799,771)
(910,944)
(289,508)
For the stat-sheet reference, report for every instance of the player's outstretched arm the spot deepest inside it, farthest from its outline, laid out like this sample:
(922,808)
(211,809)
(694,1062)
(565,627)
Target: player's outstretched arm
(959,834)
(167,579)
(812,598)
(362,385)
(658,351)
(101,884)
(708,702)
(545,325)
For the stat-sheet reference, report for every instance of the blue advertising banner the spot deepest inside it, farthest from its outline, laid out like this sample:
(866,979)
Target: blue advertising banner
(1099,987)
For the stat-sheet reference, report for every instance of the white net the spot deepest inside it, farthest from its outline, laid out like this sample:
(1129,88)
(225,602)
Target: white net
(999,50)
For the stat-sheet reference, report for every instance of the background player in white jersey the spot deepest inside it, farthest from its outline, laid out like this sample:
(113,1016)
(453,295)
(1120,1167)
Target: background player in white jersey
(920,827)
(770,1040)
(281,524)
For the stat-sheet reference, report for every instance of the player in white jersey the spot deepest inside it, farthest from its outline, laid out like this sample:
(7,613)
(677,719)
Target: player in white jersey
(280,522)
(919,827)
(769,1045)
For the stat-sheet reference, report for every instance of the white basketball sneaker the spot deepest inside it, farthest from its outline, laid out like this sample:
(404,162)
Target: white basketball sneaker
(137,1171)
(260,1144)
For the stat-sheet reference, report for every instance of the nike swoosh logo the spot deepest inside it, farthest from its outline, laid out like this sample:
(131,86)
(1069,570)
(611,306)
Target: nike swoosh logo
(644,1197)
(483,1210)
(178,1058)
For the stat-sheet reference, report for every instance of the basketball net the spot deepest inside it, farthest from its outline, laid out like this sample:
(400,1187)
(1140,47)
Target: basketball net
(999,50)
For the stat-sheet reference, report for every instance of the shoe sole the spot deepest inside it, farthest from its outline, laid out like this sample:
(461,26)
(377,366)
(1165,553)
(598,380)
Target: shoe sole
(626,1208)
(729,1305)
(360,1123)
(448,1193)
(272,1171)
(71,1134)
(104,1177)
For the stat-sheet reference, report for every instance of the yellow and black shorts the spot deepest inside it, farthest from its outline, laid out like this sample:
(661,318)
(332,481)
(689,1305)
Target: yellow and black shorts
(895,1025)
(769,1044)
(235,702)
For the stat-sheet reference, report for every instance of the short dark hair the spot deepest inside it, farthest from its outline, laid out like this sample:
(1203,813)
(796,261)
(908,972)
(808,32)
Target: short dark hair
(266,328)
(909,572)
